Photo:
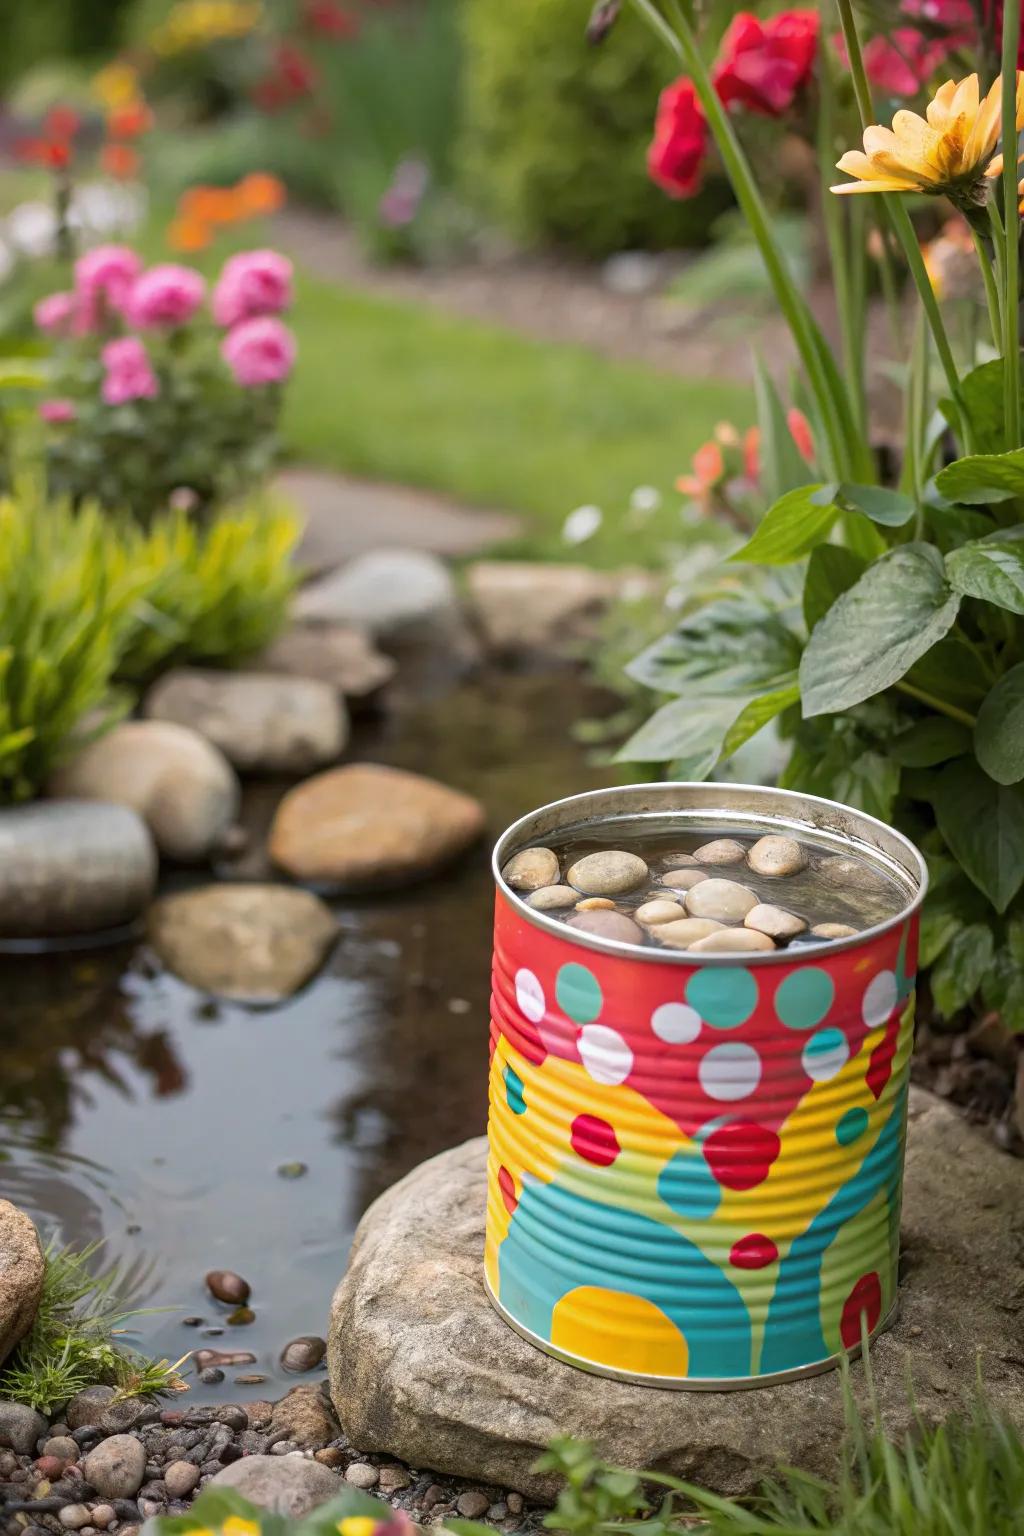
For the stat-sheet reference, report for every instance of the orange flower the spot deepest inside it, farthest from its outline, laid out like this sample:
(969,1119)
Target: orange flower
(189,235)
(128,122)
(120,161)
(210,205)
(708,469)
(260,192)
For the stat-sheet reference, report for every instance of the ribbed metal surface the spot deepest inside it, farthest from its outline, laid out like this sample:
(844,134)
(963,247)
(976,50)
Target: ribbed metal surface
(695,1170)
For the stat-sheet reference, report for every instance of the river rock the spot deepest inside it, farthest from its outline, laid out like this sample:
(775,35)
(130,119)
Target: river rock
(531,869)
(178,782)
(370,827)
(306,1417)
(228,1287)
(726,901)
(420,1364)
(285,1485)
(251,943)
(393,594)
(117,1467)
(263,723)
(653,913)
(303,1354)
(20,1427)
(833,931)
(68,867)
(608,925)
(685,932)
(683,879)
(721,850)
(776,856)
(341,655)
(520,607)
(776,922)
(608,874)
(21,1276)
(732,941)
(180,1478)
(553,898)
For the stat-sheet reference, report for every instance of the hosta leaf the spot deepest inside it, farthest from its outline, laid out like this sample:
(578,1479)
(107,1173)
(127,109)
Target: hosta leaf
(873,634)
(831,571)
(999,732)
(983,825)
(737,645)
(991,569)
(983,478)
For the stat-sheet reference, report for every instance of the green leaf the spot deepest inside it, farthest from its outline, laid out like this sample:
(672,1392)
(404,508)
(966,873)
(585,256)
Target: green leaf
(938,929)
(983,396)
(693,729)
(983,825)
(952,526)
(789,529)
(950,672)
(737,645)
(991,569)
(873,634)
(999,732)
(983,477)
(758,713)
(890,508)
(930,741)
(831,571)
(959,973)
(783,467)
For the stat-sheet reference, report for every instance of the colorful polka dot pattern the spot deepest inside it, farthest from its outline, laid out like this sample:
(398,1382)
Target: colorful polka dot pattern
(695,1172)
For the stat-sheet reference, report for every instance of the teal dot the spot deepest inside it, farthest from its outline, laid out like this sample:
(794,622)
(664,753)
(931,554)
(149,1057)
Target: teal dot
(578,993)
(804,998)
(825,1054)
(515,1093)
(853,1124)
(687,1184)
(724,998)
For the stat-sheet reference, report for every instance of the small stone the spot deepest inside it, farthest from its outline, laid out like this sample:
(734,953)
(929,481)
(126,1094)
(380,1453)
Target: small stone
(193,1322)
(682,879)
(607,874)
(362,1475)
(721,850)
(212,1376)
(685,931)
(330,1456)
(498,1511)
(472,1504)
(608,925)
(433,1495)
(531,869)
(776,856)
(103,1515)
(515,1502)
(553,898)
(241,1317)
(49,1467)
(393,1479)
(306,1416)
(303,1354)
(251,1379)
(595,904)
(661,911)
(151,1508)
(339,654)
(678,861)
(261,721)
(67,867)
(839,869)
(116,1467)
(74,1516)
(285,1485)
(228,1287)
(292,1170)
(732,941)
(833,931)
(394,594)
(726,901)
(526,606)
(204,1358)
(61,1446)
(21,1427)
(180,1478)
(283,1448)
(776,922)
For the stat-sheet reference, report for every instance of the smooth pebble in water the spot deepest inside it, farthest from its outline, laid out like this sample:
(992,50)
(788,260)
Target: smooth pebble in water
(553,898)
(595,904)
(607,874)
(776,856)
(654,912)
(608,925)
(685,931)
(724,900)
(839,870)
(531,869)
(776,922)
(732,941)
(721,850)
(683,879)
(680,861)
(833,931)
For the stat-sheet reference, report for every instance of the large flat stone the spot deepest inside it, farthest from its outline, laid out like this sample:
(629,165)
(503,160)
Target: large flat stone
(21,1276)
(422,1367)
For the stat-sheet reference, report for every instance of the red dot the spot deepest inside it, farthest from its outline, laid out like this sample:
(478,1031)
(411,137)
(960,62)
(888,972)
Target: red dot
(753,1252)
(507,1185)
(595,1140)
(741,1154)
(865,1300)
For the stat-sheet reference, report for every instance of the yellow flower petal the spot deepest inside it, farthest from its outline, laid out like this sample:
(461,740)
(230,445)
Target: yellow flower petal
(881,185)
(357,1525)
(235,1526)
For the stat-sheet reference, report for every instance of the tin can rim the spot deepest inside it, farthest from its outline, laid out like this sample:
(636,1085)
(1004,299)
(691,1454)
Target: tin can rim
(829,818)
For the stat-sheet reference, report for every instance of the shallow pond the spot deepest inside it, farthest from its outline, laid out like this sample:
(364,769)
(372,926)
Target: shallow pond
(135,1110)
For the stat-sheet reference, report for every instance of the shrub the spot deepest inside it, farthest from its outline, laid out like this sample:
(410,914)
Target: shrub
(555,134)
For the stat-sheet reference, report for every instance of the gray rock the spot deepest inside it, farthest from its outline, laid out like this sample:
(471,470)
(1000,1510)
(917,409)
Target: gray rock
(303,1354)
(178,782)
(70,868)
(521,607)
(117,1467)
(252,943)
(180,1477)
(102,1515)
(20,1427)
(100,1409)
(472,1504)
(263,723)
(74,1516)
(393,594)
(286,1485)
(337,654)
(420,1364)
(306,1417)
(61,1446)
(362,1475)
(21,1275)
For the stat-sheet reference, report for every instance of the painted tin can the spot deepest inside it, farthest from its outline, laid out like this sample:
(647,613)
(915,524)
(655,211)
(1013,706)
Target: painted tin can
(696,1163)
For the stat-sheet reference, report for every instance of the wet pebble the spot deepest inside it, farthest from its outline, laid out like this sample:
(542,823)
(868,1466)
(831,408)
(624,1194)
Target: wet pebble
(607,874)
(595,904)
(292,1170)
(515,1502)
(330,1456)
(303,1354)
(776,922)
(393,1479)
(241,1317)
(212,1376)
(732,941)
(472,1504)
(608,925)
(833,931)
(102,1516)
(254,1379)
(553,898)
(683,879)
(116,1467)
(204,1358)
(686,931)
(228,1287)
(721,850)
(180,1478)
(660,911)
(61,1446)
(362,1475)
(776,856)
(725,901)
(531,870)
(50,1467)
(73,1516)
(840,870)
(680,861)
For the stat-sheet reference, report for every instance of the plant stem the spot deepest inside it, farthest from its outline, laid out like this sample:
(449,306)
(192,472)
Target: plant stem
(991,290)
(952,710)
(844,250)
(836,412)
(1011,259)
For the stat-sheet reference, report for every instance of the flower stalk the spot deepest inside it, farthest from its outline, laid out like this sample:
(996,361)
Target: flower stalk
(1011,249)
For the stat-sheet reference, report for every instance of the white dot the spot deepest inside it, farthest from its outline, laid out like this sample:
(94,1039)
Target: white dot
(823,1064)
(880,998)
(730,1071)
(676,1023)
(605,1054)
(530,996)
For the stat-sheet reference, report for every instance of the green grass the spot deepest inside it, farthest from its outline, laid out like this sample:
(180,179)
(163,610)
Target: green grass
(397,391)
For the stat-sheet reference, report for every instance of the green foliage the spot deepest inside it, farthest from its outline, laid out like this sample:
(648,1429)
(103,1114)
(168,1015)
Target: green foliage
(555,134)
(55,30)
(72,1343)
(215,1507)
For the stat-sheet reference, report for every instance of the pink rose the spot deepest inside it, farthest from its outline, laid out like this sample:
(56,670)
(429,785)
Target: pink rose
(252,283)
(165,295)
(129,373)
(105,276)
(56,313)
(260,351)
(57,411)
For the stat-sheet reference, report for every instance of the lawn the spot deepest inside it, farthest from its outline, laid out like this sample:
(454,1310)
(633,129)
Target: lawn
(396,391)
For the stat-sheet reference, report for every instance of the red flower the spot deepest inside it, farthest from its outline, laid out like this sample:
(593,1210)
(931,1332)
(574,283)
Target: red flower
(331,19)
(53,147)
(680,140)
(61,123)
(762,66)
(130,121)
(120,161)
(293,69)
